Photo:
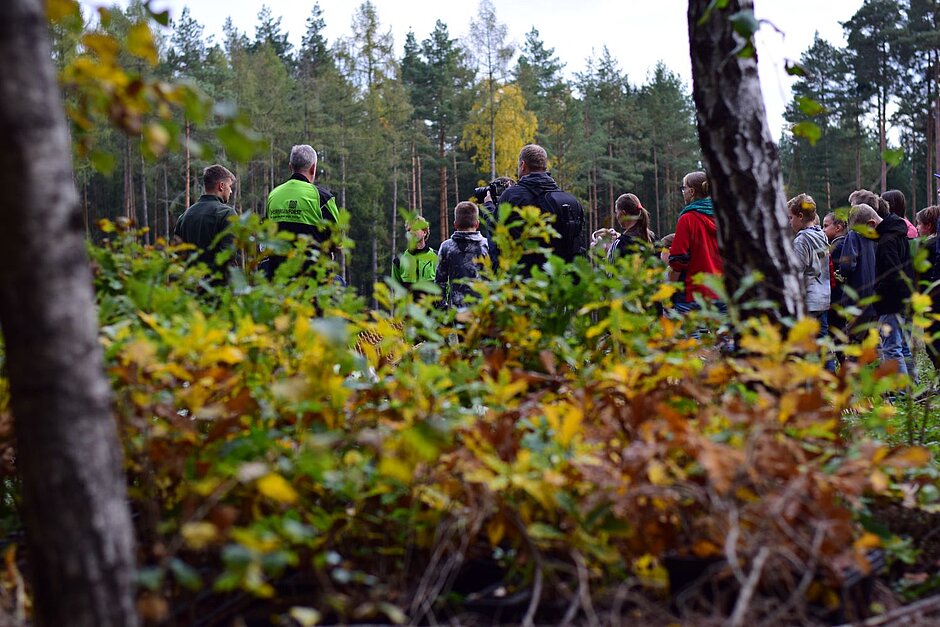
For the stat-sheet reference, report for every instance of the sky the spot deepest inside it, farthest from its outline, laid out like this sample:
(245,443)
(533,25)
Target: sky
(638,33)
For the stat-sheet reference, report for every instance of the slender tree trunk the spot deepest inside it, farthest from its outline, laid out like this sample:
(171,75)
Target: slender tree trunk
(492,128)
(166,203)
(395,211)
(659,222)
(882,139)
(456,182)
(144,208)
(187,202)
(74,509)
(741,159)
(85,209)
(420,193)
(442,182)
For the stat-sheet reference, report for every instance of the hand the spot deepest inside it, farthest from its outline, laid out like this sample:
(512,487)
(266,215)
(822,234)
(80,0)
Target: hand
(488,198)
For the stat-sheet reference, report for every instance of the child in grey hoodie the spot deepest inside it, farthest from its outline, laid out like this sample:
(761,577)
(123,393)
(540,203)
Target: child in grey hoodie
(812,257)
(459,257)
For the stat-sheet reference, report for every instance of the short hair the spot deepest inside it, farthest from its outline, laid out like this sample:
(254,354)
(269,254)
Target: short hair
(535,157)
(861,214)
(698,182)
(897,203)
(466,215)
(929,216)
(215,174)
(873,200)
(836,219)
(418,223)
(804,205)
(302,157)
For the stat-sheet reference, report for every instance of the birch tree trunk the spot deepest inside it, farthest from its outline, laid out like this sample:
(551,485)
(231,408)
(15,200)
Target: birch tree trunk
(78,529)
(742,163)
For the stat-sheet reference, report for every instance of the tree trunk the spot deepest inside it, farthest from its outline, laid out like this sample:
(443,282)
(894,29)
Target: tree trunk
(186,202)
(395,211)
(743,165)
(166,203)
(456,182)
(144,208)
(442,183)
(78,529)
(659,220)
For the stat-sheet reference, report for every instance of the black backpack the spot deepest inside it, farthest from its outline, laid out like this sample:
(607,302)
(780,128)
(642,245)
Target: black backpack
(569,222)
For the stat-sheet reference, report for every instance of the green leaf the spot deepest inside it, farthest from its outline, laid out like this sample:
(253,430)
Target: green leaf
(162,17)
(744,23)
(185,575)
(795,69)
(542,531)
(102,161)
(809,131)
(809,106)
(714,4)
(239,141)
(150,577)
(893,156)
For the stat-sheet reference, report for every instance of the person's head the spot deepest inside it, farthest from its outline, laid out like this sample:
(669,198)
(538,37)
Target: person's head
(218,181)
(834,226)
(303,160)
(532,158)
(418,230)
(802,210)
(897,203)
(873,200)
(694,186)
(927,220)
(863,215)
(466,216)
(632,217)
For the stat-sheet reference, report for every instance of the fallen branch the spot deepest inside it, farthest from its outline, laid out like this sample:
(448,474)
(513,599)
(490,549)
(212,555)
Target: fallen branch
(744,601)
(928,605)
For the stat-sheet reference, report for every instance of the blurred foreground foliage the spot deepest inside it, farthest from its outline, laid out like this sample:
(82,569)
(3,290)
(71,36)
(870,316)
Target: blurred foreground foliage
(549,451)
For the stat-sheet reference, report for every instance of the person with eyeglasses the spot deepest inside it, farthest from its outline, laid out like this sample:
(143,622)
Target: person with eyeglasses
(694,249)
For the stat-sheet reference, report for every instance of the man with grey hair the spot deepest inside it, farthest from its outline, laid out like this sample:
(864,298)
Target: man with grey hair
(299,206)
(538,189)
(210,215)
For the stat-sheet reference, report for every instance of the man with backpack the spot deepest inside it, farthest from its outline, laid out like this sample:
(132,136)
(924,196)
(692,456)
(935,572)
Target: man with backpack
(538,189)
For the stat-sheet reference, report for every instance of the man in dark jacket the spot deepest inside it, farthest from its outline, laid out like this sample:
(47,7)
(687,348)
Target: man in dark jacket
(459,260)
(200,224)
(537,188)
(894,274)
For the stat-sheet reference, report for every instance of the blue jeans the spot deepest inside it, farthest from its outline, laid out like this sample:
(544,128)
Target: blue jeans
(823,318)
(893,344)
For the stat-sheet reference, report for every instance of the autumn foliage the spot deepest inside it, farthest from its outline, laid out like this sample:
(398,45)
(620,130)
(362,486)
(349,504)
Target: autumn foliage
(556,447)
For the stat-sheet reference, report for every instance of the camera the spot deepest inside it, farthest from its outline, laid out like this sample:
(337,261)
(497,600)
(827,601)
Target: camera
(496,187)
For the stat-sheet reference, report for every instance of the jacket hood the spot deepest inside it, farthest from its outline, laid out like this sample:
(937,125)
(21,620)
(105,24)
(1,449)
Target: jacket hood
(892,225)
(473,236)
(539,182)
(816,235)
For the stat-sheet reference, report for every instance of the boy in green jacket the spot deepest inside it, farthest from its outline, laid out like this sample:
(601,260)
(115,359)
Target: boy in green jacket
(419,262)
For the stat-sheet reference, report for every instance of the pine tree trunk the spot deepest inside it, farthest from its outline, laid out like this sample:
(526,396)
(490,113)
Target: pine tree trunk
(659,221)
(395,211)
(742,163)
(456,182)
(145,209)
(166,203)
(79,536)
(442,183)
(186,202)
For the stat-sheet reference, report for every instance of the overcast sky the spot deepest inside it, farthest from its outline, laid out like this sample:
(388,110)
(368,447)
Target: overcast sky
(637,32)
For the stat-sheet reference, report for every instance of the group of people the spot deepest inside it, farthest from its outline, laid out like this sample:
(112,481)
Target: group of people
(859,261)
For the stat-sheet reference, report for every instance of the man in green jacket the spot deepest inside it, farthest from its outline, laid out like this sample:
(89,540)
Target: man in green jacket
(419,262)
(201,223)
(299,206)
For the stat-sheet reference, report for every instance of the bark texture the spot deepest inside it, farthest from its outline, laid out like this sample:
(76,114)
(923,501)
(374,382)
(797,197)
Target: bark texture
(79,535)
(743,164)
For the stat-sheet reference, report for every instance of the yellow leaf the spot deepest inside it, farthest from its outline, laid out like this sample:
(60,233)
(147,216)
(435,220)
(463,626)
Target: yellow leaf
(803,334)
(140,43)
(223,354)
(656,472)
(199,535)
(495,531)
(305,616)
(867,541)
(396,469)
(920,303)
(879,481)
(664,293)
(57,10)
(565,420)
(911,457)
(276,488)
